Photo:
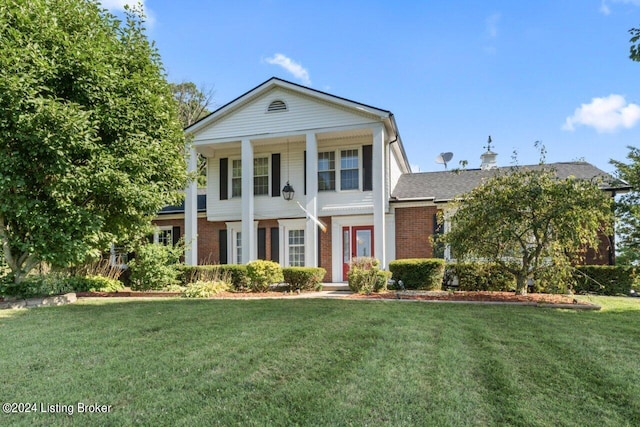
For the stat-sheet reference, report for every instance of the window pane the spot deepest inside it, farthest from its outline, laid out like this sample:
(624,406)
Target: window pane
(326,181)
(349,179)
(348,159)
(326,171)
(239,247)
(260,166)
(260,176)
(165,237)
(236,167)
(236,187)
(296,248)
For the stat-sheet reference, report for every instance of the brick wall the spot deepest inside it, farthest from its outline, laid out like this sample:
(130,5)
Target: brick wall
(325,249)
(414,226)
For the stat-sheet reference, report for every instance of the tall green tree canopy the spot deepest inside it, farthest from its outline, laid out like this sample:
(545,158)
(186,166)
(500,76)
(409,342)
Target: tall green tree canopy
(628,206)
(91,146)
(193,102)
(527,220)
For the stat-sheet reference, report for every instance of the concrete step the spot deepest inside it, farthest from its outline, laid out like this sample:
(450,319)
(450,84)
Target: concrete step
(335,287)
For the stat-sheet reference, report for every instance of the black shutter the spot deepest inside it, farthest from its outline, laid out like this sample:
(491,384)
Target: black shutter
(224,179)
(275,175)
(222,235)
(367,161)
(262,243)
(175,235)
(305,172)
(275,245)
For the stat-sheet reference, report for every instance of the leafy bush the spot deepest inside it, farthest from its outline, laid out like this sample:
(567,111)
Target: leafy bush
(202,289)
(418,273)
(154,267)
(263,273)
(304,278)
(94,284)
(40,285)
(611,280)
(479,276)
(234,274)
(174,288)
(365,275)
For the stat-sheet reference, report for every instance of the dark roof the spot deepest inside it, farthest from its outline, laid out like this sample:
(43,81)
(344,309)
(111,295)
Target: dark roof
(447,185)
(202,204)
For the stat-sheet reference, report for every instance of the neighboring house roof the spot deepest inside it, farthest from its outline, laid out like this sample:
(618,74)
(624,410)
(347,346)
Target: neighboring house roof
(447,185)
(384,115)
(202,204)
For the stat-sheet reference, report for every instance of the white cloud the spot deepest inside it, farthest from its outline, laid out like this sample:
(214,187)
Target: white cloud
(491,25)
(605,8)
(607,114)
(297,70)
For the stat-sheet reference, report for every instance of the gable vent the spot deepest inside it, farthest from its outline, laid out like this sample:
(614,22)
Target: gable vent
(277,105)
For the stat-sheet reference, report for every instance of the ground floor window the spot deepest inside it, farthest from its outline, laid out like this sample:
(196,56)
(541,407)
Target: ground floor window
(296,248)
(239,247)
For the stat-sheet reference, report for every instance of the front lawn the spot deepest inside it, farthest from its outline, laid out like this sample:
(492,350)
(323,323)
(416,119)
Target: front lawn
(322,362)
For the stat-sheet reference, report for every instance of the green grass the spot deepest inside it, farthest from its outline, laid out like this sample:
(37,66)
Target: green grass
(323,362)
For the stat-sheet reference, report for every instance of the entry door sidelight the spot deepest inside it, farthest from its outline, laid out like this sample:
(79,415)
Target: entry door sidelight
(357,241)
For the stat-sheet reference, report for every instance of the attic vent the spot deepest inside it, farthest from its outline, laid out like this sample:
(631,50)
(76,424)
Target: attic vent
(277,105)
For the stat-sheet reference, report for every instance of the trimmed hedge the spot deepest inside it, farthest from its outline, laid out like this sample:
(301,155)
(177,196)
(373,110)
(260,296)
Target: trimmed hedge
(418,273)
(304,278)
(612,279)
(236,274)
(94,283)
(479,276)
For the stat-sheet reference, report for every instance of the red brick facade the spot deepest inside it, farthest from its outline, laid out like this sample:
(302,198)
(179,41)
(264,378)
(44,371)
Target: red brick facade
(414,227)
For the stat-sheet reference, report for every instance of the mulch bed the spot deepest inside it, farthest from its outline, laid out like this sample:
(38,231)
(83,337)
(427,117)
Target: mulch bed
(482,296)
(489,297)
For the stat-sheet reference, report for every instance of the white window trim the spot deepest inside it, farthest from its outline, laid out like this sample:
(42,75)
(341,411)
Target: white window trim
(230,177)
(156,233)
(338,168)
(284,226)
(233,228)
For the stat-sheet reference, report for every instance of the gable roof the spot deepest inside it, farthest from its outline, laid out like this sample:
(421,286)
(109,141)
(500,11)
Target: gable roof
(447,185)
(383,115)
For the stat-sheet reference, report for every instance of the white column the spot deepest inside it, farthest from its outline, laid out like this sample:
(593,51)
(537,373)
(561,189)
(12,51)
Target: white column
(191,211)
(311,232)
(249,245)
(378,169)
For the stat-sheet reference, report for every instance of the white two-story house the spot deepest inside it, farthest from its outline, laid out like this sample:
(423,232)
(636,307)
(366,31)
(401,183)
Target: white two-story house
(340,158)
(305,178)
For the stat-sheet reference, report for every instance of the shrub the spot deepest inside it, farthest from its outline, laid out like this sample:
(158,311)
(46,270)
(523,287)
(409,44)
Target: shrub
(304,278)
(418,273)
(479,276)
(365,275)
(234,274)
(38,285)
(262,274)
(604,279)
(154,267)
(203,289)
(94,284)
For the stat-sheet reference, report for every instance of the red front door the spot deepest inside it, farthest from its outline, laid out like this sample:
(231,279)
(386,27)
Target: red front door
(357,241)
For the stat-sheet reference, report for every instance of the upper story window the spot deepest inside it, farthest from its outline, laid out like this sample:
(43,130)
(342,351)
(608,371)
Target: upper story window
(260,177)
(349,170)
(236,178)
(327,171)
(277,106)
(342,174)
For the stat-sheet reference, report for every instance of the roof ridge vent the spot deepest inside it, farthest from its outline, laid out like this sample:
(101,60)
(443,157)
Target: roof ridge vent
(276,106)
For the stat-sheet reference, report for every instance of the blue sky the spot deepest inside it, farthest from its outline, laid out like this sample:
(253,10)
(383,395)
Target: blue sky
(452,72)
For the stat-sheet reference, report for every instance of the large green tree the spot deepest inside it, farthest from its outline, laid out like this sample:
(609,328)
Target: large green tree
(628,206)
(91,146)
(528,221)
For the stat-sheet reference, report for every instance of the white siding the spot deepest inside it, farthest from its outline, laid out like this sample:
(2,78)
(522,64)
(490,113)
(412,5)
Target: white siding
(394,170)
(302,113)
(352,202)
